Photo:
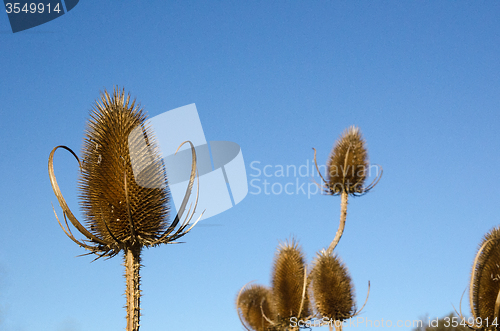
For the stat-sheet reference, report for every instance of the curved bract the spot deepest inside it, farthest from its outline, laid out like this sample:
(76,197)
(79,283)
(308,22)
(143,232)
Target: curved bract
(119,213)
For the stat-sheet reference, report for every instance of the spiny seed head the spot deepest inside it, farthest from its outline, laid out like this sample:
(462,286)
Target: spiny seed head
(486,282)
(116,208)
(332,288)
(253,302)
(288,282)
(348,163)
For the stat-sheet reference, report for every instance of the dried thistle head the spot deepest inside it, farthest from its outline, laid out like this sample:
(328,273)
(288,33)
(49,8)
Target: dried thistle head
(485,278)
(115,206)
(332,288)
(254,305)
(348,165)
(289,282)
(119,213)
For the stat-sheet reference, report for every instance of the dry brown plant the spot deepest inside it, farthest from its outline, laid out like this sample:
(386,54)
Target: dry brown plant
(347,171)
(119,214)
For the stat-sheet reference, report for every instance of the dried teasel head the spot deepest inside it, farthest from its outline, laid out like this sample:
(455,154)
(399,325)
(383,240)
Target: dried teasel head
(332,288)
(485,279)
(119,213)
(254,305)
(348,165)
(289,283)
(115,206)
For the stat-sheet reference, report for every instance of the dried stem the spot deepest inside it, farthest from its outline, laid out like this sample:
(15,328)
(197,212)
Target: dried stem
(343,216)
(133,292)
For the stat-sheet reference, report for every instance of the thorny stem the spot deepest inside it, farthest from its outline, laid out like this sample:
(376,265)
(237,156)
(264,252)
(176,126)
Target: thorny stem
(133,293)
(343,215)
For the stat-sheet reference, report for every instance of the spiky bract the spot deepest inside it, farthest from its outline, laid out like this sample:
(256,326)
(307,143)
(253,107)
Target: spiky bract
(348,163)
(486,277)
(117,209)
(332,288)
(255,305)
(289,282)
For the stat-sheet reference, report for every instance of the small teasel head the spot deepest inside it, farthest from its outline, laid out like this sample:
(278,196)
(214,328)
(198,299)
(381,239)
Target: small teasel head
(485,278)
(255,308)
(348,163)
(289,283)
(332,288)
(348,166)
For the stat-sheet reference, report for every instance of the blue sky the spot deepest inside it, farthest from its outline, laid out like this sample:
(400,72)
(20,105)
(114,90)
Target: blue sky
(421,80)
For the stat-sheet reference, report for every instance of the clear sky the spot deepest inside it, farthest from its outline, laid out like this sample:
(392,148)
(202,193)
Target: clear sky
(420,78)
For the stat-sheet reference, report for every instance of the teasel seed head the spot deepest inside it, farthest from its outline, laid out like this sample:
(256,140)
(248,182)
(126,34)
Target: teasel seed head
(113,203)
(332,288)
(255,307)
(289,283)
(119,213)
(485,278)
(348,163)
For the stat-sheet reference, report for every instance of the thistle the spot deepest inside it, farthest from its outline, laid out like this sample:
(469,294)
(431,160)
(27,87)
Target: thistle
(121,215)
(347,171)
(260,308)
(348,164)
(289,282)
(332,289)
(255,307)
(275,309)
(484,288)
